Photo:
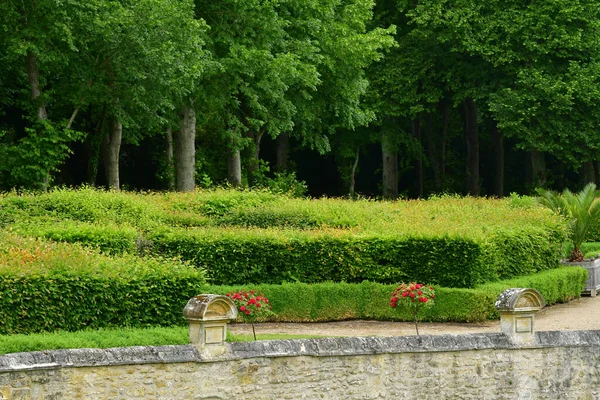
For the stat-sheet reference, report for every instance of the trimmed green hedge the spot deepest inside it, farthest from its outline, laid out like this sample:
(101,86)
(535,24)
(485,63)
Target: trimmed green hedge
(234,256)
(260,237)
(75,300)
(299,302)
(109,238)
(50,286)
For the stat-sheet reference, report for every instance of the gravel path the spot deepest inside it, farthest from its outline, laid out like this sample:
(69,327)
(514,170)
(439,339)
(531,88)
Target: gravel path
(580,314)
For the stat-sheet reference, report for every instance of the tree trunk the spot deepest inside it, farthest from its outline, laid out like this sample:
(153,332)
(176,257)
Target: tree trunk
(95,149)
(443,136)
(390,163)
(498,143)
(588,174)
(234,168)
(185,152)
(597,172)
(538,168)
(170,180)
(353,173)
(432,151)
(252,153)
(416,132)
(283,144)
(111,146)
(33,76)
(472,141)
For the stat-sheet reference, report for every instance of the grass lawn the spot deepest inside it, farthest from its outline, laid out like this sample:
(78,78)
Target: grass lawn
(121,337)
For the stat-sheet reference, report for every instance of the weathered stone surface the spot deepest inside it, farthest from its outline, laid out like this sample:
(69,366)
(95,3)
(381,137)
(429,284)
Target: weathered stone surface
(560,365)
(208,307)
(516,299)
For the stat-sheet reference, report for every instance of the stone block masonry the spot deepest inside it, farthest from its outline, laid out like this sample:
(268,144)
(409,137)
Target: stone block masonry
(560,365)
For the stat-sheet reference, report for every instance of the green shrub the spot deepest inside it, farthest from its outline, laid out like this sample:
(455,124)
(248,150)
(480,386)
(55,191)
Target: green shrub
(108,237)
(257,236)
(556,286)
(300,302)
(268,217)
(234,256)
(51,286)
(56,286)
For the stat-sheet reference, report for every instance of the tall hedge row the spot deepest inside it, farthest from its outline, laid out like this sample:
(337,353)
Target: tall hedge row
(239,256)
(259,237)
(70,302)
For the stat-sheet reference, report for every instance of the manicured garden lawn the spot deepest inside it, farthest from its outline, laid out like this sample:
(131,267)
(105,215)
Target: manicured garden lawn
(121,337)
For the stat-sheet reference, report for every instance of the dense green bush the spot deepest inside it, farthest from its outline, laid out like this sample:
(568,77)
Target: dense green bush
(236,256)
(108,237)
(300,302)
(261,237)
(50,286)
(56,286)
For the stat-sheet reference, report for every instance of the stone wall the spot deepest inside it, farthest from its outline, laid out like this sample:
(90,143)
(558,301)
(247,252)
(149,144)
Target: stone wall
(561,365)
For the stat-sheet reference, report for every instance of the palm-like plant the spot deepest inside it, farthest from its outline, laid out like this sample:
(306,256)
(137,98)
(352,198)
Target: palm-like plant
(582,210)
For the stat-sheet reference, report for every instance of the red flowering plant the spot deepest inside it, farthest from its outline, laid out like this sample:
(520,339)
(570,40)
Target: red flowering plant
(251,306)
(413,297)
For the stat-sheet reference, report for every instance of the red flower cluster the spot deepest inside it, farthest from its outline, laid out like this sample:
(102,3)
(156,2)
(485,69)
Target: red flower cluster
(250,304)
(413,293)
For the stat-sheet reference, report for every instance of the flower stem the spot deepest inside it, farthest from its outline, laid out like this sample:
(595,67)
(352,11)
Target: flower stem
(417,323)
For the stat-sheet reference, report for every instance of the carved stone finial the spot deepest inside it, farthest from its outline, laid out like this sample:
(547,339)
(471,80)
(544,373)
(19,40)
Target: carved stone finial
(517,308)
(520,299)
(208,315)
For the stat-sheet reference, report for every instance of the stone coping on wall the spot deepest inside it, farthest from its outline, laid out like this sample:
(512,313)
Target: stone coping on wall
(346,346)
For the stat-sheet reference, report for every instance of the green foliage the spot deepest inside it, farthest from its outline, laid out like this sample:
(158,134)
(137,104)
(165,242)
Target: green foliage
(556,286)
(276,255)
(94,339)
(30,161)
(589,249)
(260,237)
(51,286)
(109,238)
(517,201)
(300,302)
(582,211)
(287,184)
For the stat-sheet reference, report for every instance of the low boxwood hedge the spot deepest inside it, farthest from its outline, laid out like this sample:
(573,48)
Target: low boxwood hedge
(134,293)
(300,302)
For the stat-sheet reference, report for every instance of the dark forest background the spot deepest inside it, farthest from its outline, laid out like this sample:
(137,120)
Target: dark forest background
(383,99)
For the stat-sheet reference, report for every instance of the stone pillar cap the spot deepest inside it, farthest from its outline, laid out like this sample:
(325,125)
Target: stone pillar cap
(210,307)
(520,299)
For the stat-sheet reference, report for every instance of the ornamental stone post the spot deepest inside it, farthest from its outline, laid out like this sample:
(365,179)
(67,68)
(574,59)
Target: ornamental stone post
(208,315)
(517,308)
